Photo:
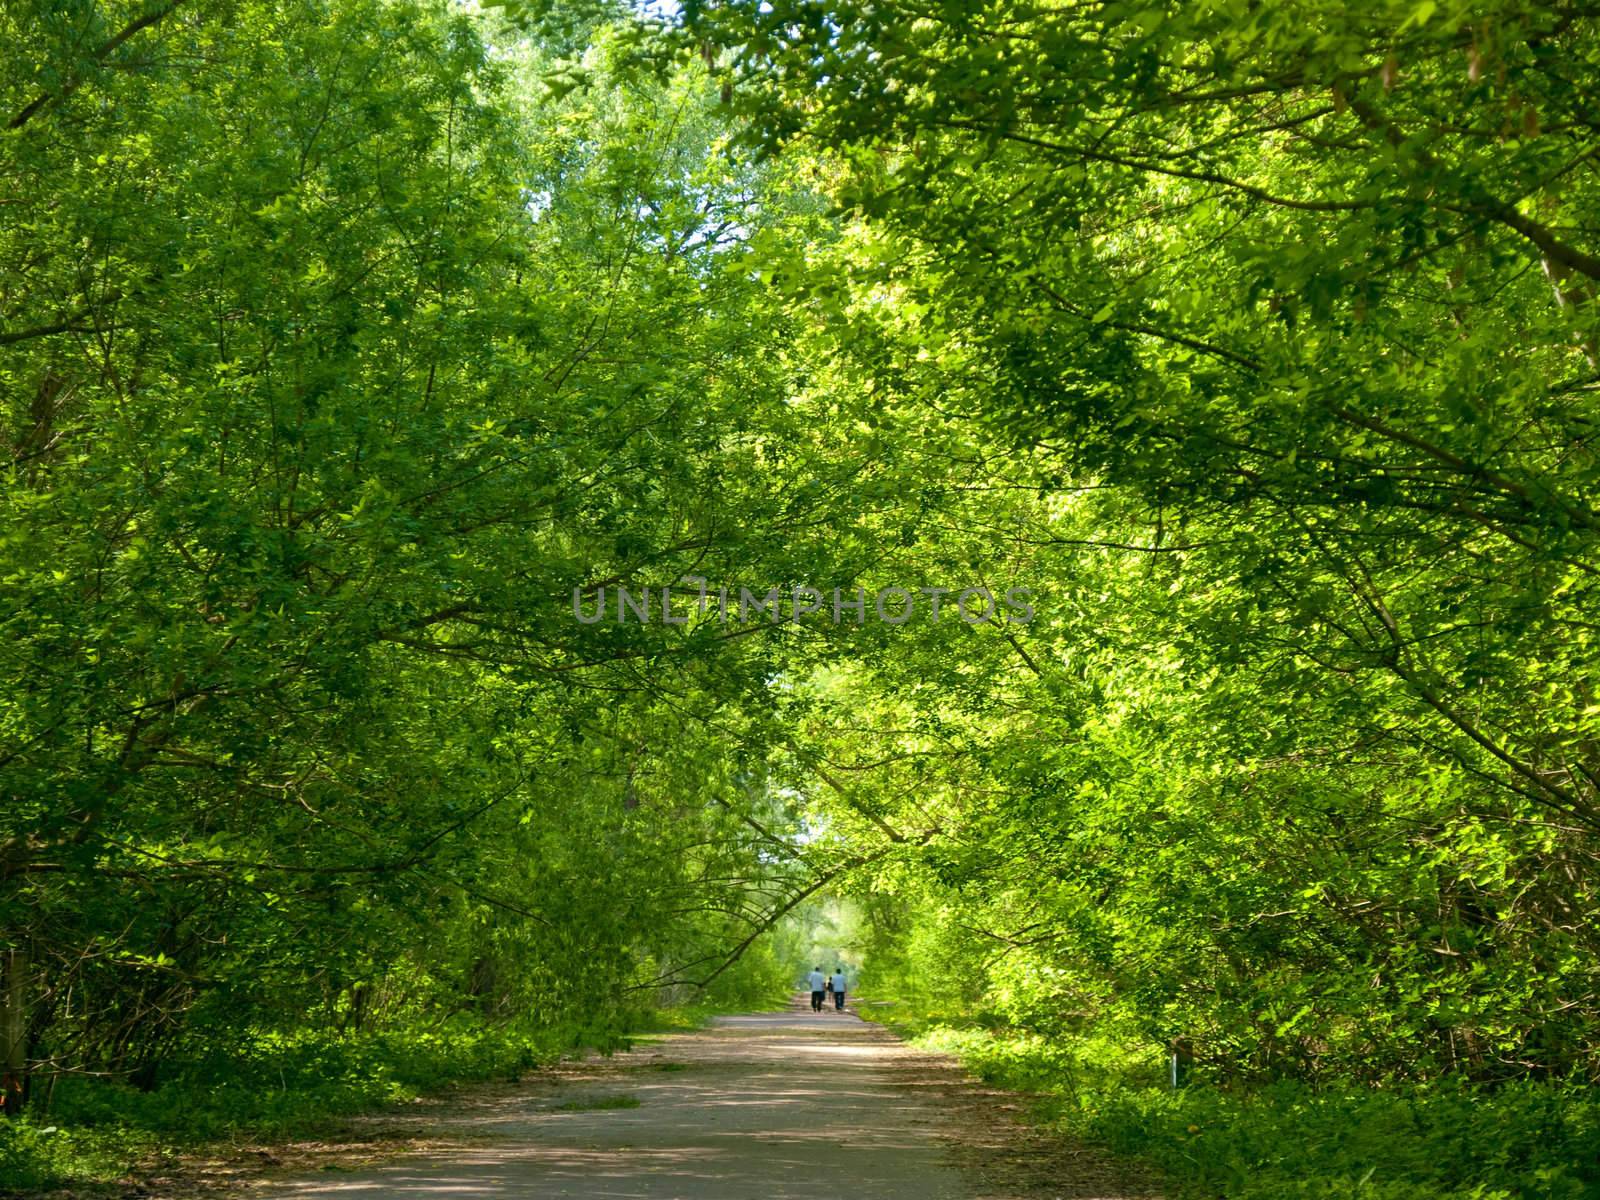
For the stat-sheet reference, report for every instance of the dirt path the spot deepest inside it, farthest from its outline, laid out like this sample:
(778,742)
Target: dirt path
(763,1107)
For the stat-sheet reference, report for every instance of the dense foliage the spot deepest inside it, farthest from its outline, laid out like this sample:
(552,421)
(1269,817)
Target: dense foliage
(353,350)
(336,355)
(1286,313)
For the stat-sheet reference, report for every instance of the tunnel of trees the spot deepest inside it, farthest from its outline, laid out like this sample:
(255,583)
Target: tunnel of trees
(368,366)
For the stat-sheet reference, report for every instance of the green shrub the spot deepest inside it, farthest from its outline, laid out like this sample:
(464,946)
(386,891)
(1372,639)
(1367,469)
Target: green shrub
(1293,1141)
(46,1155)
(275,1084)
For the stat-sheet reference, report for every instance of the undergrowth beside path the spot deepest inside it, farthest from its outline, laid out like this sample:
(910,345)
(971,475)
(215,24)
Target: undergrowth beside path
(110,1137)
(1526,1141)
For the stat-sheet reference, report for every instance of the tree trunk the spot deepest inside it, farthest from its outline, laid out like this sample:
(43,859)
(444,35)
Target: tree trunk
(14,1030)
(1180,1059)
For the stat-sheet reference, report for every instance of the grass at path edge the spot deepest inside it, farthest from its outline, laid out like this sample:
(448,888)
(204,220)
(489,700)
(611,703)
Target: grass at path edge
(1286,1140)
(102,1137)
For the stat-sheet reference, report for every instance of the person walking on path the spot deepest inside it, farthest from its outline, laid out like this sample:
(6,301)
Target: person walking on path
(836,984)
(816,981)
(827,993)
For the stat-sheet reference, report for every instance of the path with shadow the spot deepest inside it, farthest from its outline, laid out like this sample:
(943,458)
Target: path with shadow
(768,1106)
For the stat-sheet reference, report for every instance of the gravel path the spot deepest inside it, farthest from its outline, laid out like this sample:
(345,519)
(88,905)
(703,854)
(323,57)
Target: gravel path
(773,1106)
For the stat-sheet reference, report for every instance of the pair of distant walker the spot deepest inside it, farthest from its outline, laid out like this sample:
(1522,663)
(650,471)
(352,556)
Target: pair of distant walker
(824,986)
